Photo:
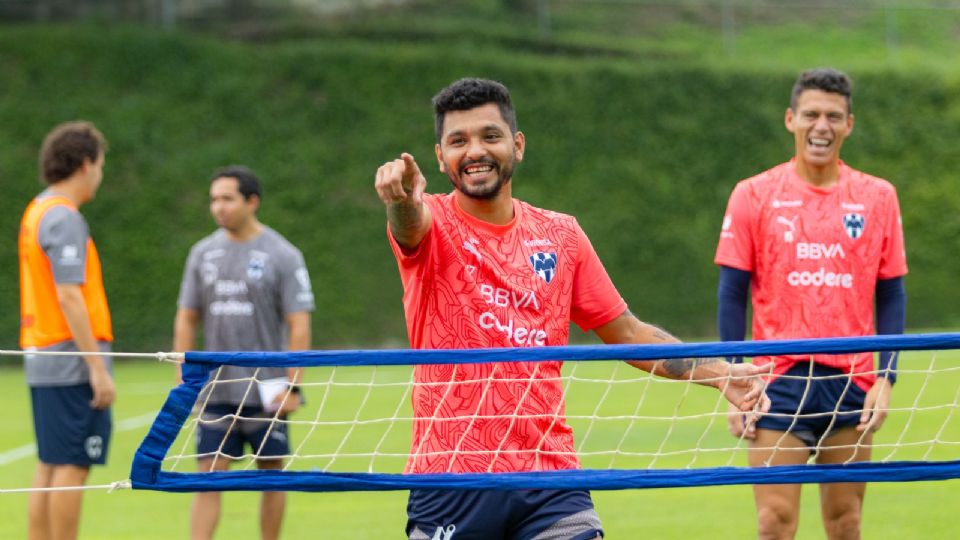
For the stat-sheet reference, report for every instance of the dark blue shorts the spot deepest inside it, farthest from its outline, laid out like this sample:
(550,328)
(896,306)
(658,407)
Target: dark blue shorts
(509,515)
(255,429)
(69,431)
(816,418)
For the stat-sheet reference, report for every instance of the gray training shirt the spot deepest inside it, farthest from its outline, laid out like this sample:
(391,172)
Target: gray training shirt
(63,235)
(243,291)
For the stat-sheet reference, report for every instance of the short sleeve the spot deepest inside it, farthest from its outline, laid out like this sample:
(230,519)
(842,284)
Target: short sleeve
(595,299)
(190,286)
(736,247)
(296,291)
(63,237)
(893,262)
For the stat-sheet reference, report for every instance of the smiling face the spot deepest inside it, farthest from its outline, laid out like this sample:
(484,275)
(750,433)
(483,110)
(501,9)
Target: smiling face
(478,151)
(820,122)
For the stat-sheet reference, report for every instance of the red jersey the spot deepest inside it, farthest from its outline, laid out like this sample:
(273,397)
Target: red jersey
(815,255)
(471,284)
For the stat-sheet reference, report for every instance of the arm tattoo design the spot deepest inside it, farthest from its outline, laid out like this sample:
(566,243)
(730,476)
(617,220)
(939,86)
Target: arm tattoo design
(403,217)
(660,334)
(681,367)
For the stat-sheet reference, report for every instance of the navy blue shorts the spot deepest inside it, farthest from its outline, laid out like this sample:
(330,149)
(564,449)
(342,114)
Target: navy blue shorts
(69,431)
(256,428)
(434,514)
(814,417)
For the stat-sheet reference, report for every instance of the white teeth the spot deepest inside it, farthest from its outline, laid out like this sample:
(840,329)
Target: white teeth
(819,142)
(479,170)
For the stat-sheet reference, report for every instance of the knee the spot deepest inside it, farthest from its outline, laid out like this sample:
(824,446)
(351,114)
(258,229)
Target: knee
(842,523)
(775,522)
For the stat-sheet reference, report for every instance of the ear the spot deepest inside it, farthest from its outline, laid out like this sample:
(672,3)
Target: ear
(85,166)
(439,152)
(788,119)
(849,124)
(519,144)
(254,202)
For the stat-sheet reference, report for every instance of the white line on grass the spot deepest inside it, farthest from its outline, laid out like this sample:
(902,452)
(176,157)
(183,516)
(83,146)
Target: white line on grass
(28,450)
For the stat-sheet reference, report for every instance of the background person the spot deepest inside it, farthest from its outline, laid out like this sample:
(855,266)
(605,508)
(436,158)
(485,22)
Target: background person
(250,290)
(63,308)
(815,241)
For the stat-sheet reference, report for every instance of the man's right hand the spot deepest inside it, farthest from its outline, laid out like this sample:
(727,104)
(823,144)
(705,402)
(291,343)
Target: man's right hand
(104,391)
(738,424)
(400,180)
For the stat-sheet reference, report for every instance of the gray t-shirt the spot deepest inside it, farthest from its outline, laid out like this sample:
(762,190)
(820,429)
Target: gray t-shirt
(63,235)
(243,291)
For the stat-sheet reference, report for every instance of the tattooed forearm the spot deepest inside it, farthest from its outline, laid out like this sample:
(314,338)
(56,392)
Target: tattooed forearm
(404,218)
(660,334)
(681,367)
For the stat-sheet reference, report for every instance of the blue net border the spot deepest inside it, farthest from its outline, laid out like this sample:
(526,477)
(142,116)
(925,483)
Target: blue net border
(146,470)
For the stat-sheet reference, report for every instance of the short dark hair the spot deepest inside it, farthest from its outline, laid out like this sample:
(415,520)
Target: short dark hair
(470,93)
(66,147)
(825,79)
(247,182)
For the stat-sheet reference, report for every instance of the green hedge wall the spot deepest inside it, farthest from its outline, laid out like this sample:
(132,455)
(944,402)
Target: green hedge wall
(644,155)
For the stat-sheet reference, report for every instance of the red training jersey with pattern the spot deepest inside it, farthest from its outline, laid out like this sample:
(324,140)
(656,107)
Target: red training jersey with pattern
(815,255)
(471,284)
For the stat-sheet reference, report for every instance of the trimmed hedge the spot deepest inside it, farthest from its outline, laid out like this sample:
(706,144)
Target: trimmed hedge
(644,156)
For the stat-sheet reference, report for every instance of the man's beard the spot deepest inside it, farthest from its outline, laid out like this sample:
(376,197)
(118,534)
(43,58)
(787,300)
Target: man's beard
(482,192)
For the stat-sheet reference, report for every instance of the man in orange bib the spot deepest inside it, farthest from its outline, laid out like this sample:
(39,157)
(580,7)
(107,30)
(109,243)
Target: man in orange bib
(63,308)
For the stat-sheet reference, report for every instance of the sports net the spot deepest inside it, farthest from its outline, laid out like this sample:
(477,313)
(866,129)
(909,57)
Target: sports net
(631,429)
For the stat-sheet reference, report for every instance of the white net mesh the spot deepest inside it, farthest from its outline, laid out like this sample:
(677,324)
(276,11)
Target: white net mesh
(359,419)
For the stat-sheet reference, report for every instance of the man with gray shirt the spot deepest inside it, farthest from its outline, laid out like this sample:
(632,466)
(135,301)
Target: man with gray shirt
(250,289)
(63,308)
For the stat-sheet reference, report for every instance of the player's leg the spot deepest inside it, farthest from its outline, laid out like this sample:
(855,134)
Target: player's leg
(272,504)
(217,443)
(783,437)
(778,505)
(65,505)
(841,504)
(269,441)
(205,510)
(38,504)
(71,436)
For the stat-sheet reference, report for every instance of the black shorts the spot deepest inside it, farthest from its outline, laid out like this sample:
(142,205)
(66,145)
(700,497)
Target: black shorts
(219,432)
(69,431)
(828,403)
(508,515)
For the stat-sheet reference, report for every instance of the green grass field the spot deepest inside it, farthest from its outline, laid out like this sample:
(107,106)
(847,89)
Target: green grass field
(893,510)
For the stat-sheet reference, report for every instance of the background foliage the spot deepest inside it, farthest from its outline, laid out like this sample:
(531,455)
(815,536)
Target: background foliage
(643,146)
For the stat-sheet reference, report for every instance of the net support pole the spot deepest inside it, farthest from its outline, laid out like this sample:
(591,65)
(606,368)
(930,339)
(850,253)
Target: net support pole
(148,459)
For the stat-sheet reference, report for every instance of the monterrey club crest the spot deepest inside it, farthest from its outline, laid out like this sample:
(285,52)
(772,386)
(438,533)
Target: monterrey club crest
(256,266)
(854,224)
(544,264)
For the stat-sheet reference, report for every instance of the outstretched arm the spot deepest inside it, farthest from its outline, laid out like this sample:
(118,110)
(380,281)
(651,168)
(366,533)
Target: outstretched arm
(740,383)
(400,185)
